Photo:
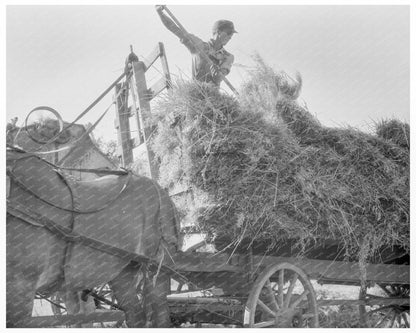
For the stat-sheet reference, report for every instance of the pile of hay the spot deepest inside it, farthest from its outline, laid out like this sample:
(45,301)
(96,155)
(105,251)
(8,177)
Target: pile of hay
(263,168)
(395,131)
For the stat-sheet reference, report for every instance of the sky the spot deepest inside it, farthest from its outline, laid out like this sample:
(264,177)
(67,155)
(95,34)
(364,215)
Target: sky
(354,60)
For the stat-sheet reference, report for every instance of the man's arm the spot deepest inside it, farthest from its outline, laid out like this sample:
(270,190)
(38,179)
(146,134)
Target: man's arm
(224,68)
(227,64)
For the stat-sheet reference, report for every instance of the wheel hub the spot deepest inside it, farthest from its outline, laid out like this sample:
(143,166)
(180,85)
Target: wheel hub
(288,318)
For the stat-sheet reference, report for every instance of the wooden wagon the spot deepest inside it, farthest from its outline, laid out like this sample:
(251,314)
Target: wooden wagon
(247,288)
(276,290)
(256,290)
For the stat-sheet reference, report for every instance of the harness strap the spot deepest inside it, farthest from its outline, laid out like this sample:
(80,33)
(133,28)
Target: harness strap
(26,154)
(100,171)
(17,210)
(72,210)
(35,219)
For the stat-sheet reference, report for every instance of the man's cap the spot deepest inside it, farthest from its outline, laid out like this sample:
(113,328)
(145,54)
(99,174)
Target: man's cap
(223,25)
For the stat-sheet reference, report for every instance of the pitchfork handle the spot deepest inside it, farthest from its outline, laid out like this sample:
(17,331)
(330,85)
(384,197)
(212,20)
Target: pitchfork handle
(174,19)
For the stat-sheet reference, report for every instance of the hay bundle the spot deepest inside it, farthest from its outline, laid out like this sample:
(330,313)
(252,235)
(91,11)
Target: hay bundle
(270,173)
(395,131)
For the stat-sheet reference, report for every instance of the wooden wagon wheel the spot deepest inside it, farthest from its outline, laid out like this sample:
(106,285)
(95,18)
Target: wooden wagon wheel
(282,296)
(390,315)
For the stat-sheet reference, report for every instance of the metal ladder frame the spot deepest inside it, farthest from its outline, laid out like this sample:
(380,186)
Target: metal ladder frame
(140,108)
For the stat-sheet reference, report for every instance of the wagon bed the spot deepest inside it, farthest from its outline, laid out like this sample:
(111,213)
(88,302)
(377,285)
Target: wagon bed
(208,272)
(326,270)
(221,270)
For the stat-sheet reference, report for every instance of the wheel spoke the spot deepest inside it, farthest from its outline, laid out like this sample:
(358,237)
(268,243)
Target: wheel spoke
(292,304)
(393,321)
(264,324)
(272,295)
(299,299)
(386,317)
(266,308)
(281,283)
(382,320)
(404,316)
(399,319)
(290,290)
(388,292)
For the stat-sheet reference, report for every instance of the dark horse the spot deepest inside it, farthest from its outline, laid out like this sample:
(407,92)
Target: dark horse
(130,214)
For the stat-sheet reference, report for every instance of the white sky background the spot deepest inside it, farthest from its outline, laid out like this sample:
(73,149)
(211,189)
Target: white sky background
(354,60)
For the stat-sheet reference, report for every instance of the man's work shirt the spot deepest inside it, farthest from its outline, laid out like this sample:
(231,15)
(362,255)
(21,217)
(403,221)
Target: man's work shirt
(201,68)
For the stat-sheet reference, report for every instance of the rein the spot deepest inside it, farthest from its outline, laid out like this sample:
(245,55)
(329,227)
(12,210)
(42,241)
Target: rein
(23,186)
(35,219)
(25,154)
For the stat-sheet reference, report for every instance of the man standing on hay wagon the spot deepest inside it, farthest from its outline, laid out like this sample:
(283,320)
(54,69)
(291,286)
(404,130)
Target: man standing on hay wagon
(203,69)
